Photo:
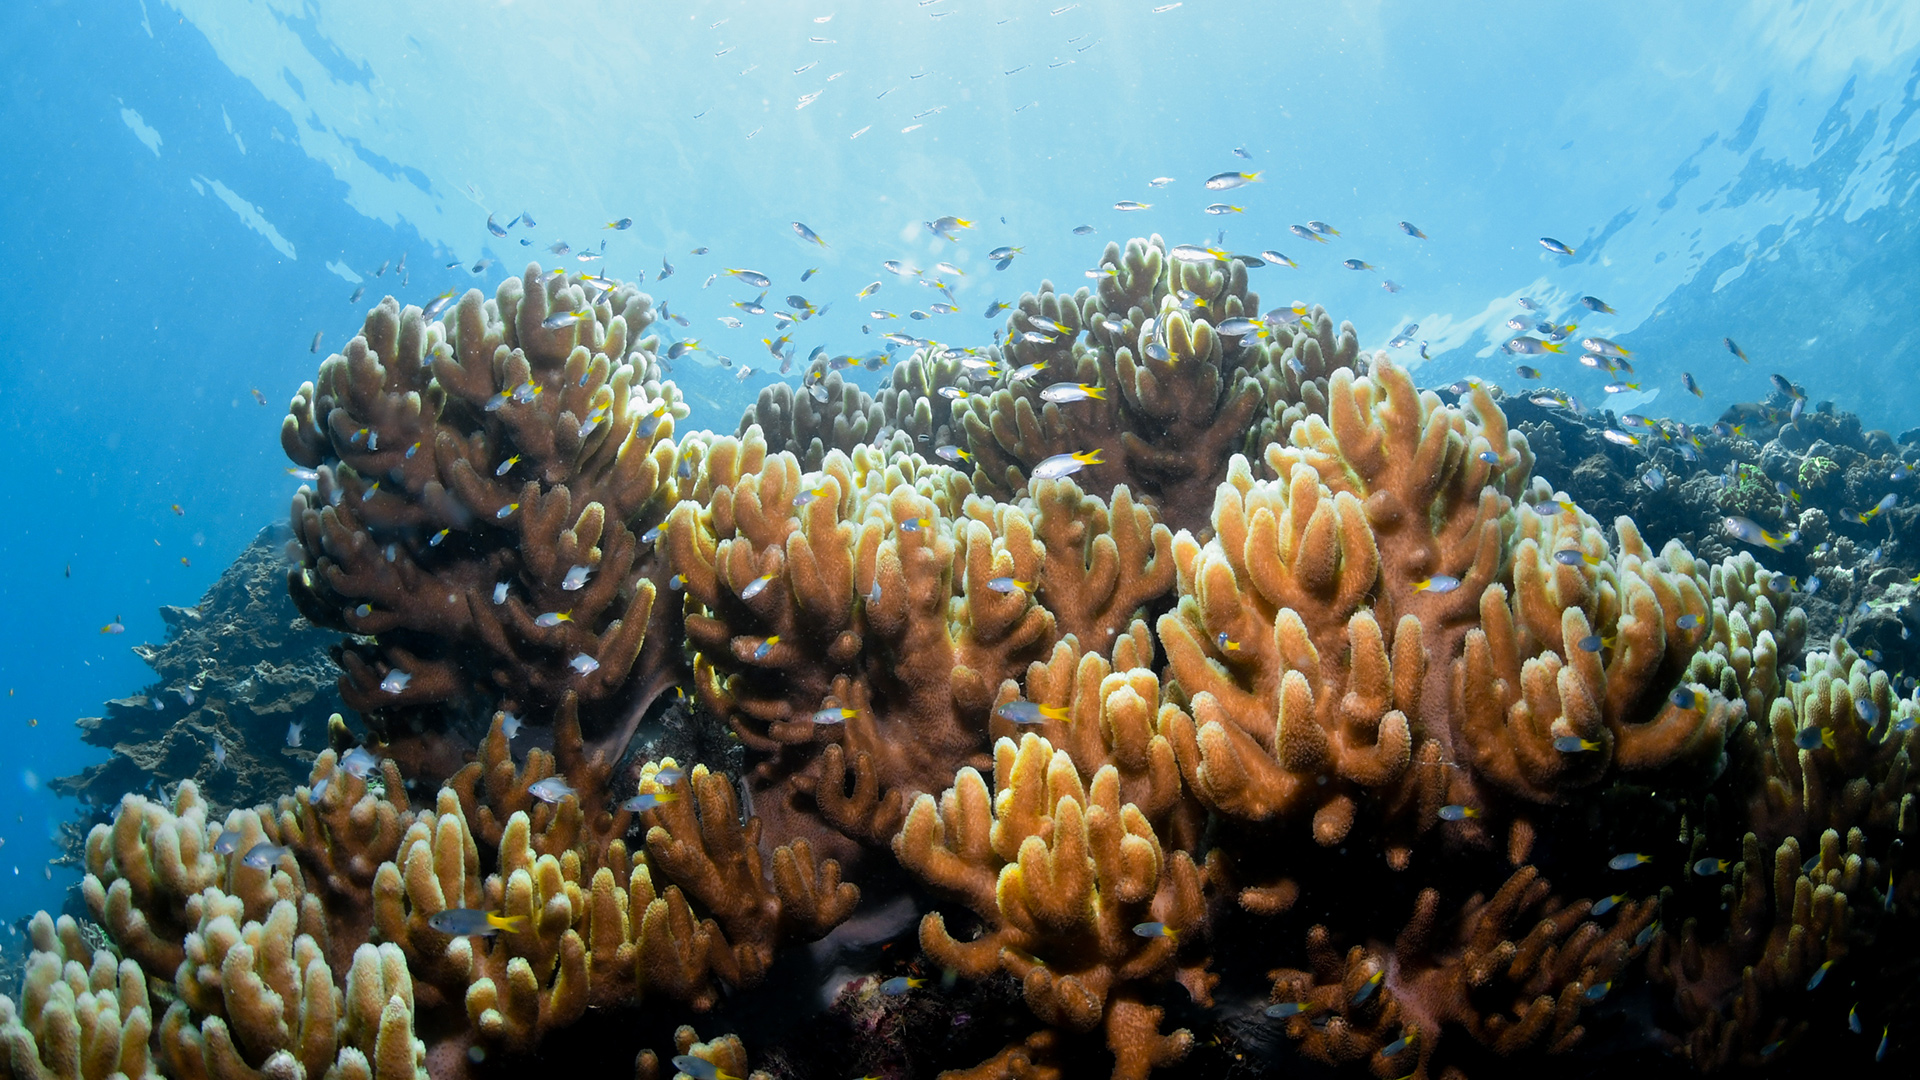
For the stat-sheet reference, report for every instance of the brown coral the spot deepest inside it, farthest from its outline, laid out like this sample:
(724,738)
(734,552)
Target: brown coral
(482,486)
(1385,618)
(878,593)
(1083,904)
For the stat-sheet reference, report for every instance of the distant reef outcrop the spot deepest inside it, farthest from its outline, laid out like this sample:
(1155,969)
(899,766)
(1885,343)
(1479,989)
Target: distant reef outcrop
(236,672)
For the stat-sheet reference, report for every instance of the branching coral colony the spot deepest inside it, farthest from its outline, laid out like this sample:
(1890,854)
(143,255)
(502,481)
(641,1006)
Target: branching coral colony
(1303,678)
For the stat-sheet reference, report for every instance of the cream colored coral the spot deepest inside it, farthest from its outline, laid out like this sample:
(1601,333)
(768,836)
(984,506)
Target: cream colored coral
(83,1014)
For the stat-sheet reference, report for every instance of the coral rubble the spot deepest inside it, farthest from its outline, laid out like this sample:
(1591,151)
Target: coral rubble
(1230,694)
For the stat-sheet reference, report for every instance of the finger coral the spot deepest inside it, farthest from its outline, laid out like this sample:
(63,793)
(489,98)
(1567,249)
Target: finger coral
(1084,905)
(826,413)
(854,624)
(1514,971)
(482,485)
(1787,859)
(1389,616)
(250,919)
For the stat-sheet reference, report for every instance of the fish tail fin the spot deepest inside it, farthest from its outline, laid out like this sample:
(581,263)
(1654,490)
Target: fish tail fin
(515,924)
(1096,392)
(1552,347)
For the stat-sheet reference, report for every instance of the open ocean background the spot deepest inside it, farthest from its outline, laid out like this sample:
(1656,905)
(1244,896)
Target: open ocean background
(192,189)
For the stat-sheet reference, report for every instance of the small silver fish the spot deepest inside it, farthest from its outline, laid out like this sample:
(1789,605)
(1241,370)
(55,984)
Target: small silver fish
(359,763)
(461,922)
(584,664)
(1227,180)
(1746,530)
(294,733)
(576,578)
(551,790)
(1528,346)
(228,843)
(263,855)
(1060,465)
(396,681)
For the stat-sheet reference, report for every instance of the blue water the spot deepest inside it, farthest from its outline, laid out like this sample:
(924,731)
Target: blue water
(191,190)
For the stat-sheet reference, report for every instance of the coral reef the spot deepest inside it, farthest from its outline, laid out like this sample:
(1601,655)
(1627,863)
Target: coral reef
(1848,494)
(1314,718)
(241,669)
